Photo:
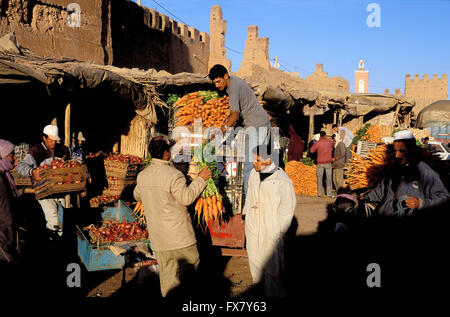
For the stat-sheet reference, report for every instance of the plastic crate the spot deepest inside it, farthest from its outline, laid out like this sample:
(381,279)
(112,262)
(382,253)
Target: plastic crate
(98,258)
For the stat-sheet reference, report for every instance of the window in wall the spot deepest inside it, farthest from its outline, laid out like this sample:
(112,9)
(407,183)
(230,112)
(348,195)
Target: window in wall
(160,22)
(151,19)
(178,30)
(189,34)
(361,86)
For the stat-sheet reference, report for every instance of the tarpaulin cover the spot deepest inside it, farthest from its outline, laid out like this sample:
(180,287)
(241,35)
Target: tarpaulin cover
(437,113)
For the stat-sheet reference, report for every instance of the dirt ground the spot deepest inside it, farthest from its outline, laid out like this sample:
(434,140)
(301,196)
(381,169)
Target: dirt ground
(309,212)
(319,263)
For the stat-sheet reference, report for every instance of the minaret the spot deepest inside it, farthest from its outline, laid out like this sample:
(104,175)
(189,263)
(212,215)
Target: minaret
(361,79)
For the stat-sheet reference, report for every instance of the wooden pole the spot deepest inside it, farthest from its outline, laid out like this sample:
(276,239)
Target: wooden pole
(334,117)
(116,147)
(360,122)
(394,122)
(67,126)
(67,140)
(311,125)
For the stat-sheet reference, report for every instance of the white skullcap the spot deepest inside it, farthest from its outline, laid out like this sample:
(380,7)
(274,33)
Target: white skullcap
(403,135)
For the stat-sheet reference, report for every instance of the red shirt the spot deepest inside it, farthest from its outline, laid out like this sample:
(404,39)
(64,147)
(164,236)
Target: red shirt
(324,149)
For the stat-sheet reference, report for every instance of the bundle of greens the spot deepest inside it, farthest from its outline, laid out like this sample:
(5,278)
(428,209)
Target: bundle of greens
(361,132)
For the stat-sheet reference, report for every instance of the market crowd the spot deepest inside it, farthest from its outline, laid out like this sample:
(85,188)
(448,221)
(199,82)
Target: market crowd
(270,200)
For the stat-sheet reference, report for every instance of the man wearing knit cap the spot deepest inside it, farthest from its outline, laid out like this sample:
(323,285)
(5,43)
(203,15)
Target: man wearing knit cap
(411,185)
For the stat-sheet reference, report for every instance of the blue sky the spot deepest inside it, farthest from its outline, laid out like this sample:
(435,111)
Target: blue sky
(413,38)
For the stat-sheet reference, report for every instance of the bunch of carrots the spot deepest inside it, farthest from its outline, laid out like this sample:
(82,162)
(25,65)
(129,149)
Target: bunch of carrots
(367,171)
(209,205)
(303,176)
(204,105)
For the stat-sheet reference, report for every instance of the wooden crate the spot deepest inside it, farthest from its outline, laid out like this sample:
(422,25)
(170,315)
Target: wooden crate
(21,181)
(60,180)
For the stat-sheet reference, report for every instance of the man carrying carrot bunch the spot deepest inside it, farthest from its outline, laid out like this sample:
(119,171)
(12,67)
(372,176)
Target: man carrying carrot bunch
(165,197)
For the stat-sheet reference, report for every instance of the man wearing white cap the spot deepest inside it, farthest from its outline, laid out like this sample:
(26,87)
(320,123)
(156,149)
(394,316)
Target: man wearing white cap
(411,184)
(41,154)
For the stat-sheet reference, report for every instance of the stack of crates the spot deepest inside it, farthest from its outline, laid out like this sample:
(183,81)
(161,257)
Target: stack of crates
(120,175)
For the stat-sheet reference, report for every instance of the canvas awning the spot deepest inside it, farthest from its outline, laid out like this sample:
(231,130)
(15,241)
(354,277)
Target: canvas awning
(437,113)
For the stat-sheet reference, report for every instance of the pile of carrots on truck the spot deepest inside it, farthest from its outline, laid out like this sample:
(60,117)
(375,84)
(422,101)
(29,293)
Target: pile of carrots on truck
(373,134)
(205,105)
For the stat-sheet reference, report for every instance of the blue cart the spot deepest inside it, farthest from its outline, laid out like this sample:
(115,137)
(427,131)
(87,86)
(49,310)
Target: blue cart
(97,258)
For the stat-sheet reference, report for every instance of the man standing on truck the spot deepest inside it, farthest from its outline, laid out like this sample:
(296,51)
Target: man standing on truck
(242,102)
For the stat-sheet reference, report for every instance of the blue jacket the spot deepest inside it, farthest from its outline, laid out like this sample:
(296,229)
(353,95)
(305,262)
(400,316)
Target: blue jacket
(425,184)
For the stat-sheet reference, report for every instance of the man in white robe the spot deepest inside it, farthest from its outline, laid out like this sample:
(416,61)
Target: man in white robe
(269,210)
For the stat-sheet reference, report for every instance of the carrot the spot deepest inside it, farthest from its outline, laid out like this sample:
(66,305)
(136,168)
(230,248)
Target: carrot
(210,212)
(205,206)
(199,202)
(199,211)
(214,209)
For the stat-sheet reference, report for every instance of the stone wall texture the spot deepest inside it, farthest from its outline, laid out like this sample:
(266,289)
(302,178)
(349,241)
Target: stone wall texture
(426,90)
(110,32)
